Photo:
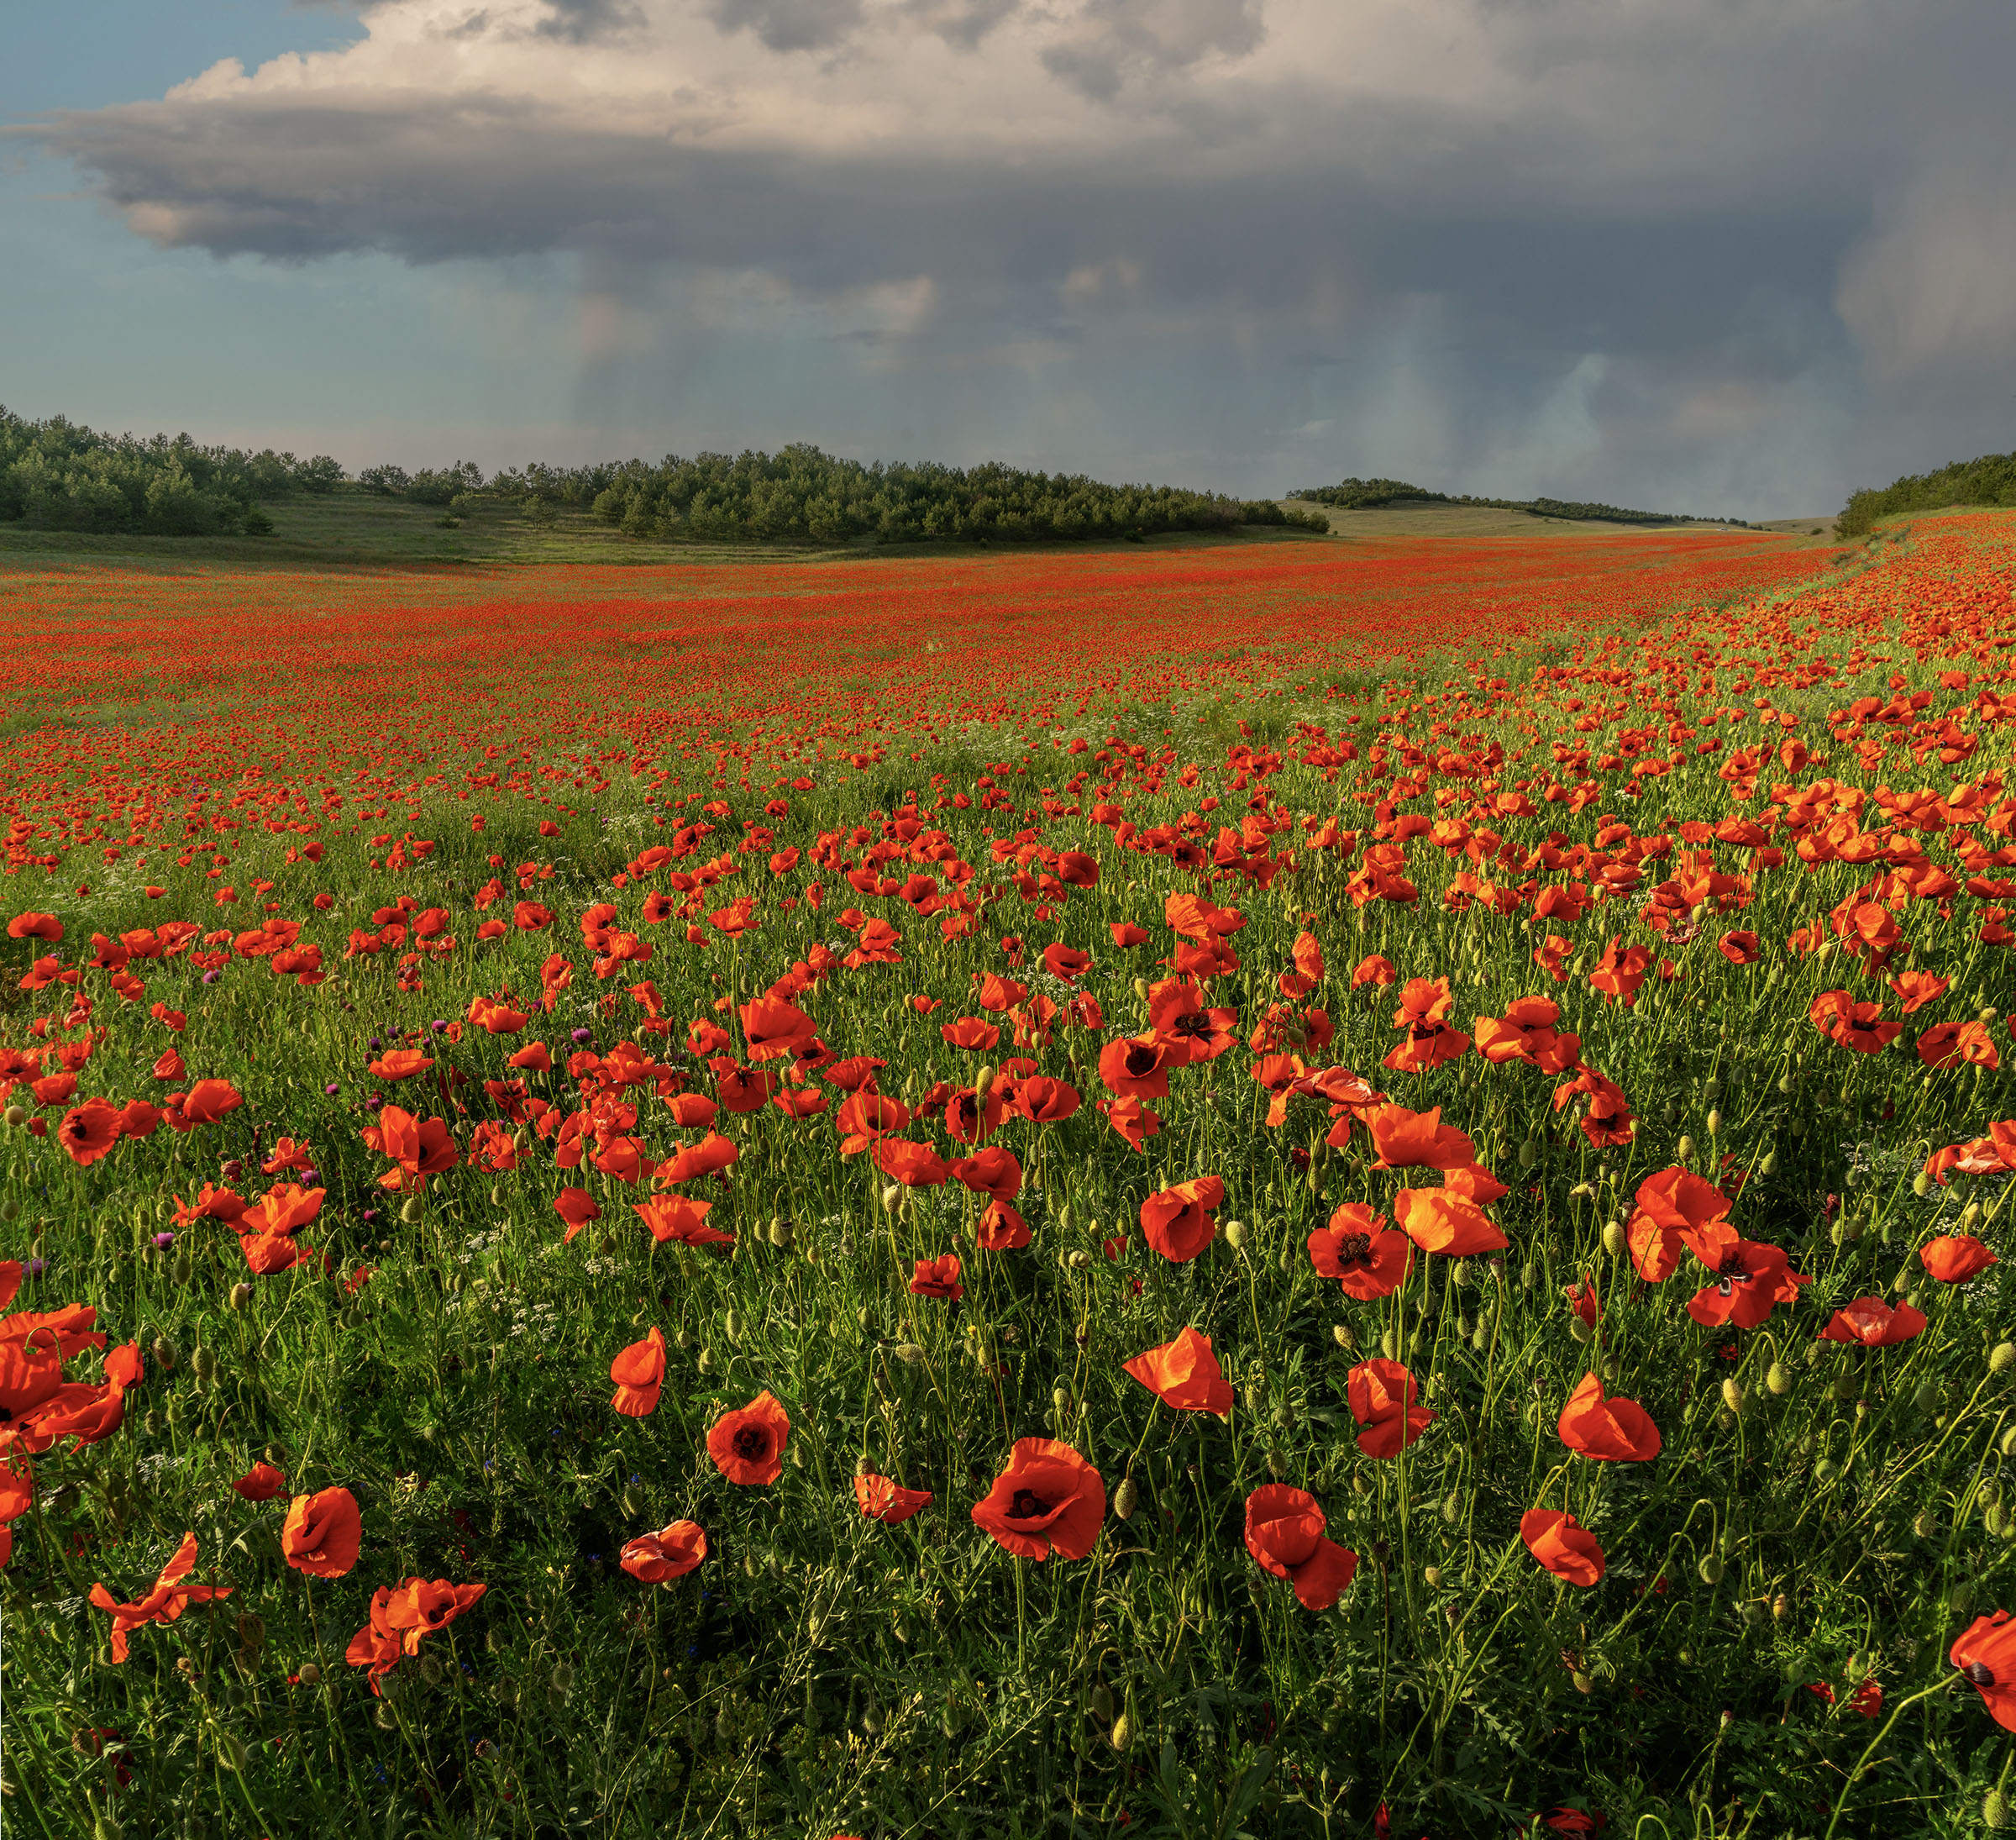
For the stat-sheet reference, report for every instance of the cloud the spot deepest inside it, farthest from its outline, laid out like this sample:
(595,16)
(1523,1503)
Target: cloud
(1592,246)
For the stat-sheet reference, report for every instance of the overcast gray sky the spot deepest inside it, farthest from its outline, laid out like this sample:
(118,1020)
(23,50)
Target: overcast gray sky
(1721,255)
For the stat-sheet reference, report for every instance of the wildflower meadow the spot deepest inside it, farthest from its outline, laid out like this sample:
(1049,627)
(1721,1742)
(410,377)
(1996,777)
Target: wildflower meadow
(1288,1188)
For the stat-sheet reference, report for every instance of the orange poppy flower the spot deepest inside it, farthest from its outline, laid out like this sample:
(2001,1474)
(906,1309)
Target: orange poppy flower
(89,1131)
(261,1482)
(1382,1395)
(1955,1257)
(1870,1323)
(1562,1544)
(1177,1221)
(1407,1140)
(163,1604)
(1985,1652)
(1000,1229)
(881,1499)
(1184,1374)
(915,1165)
(400,1063)
(1048,1499)
(669,1553)
(938,1278)
(1284,1534)
(748,1444)
(1136,1067)
(680,1217)
(713,1153)
(639,1373)
(1669,1204)
(322,1534)
(1609,1430)
(1442,1220)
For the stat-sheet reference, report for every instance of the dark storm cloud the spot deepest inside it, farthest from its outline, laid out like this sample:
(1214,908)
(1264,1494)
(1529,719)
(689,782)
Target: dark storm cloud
(1682,248)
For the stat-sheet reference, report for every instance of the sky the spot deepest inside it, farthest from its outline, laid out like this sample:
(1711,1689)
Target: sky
(1733,257)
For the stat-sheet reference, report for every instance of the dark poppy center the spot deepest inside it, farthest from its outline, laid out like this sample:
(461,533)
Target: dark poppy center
(752,1443)
(1191,1022)
(1354,1249)
(1141,1060)
(1732,1272)
(1980,1673)
(1027,1506)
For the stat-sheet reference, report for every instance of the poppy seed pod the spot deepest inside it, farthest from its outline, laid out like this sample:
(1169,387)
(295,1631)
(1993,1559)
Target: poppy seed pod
(1125,1499)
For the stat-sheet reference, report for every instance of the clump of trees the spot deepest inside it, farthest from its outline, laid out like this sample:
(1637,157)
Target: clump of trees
(803,494)
(58,475)
(1368,494)
(1991,480)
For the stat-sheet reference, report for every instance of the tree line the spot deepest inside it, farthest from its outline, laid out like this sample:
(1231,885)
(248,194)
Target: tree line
(58,475)
(1369,494)
(1991,480)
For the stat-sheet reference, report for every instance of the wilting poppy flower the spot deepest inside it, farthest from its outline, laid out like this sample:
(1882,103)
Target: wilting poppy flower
(1407,1140)
(748,1444)
(1048,1499)
(1177,1221)
(1367,1257)
(1871,1322)
(1609,1430)
(881,1499)
(89,1131)
(261,1482)
(1284,1534)
(639,1373)
(164,1603)
(1381,1396)
(321,1532)
(1562,1544)
(938,1278)
(1955,1257)
(1985,1652)
(1750,1278)
(577,1207)
(672,1552)
(1184,1374)
(1441,1220)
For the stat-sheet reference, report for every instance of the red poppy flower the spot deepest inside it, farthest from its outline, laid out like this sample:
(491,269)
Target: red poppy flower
(1444,1220)
(1750,1278)
(1000,1229)
(534,1057)
(261,1482)
(400,1063)
(1184,1374)
(577,1207)
(994,1172)
(1950,1044)
(322,1532)
(89,1131)
(1134,1120)
(1367,1257)
(1381,1396)
(1179,1020)
(1374,971)
(713,1153)
(1177,1221)
(36,925)
(1562,1544)
(1048,1499)
(419,1607)
(639,1373)
(1608,1430)
(680,1218)
(1284,1534)
(1126,933)
(1136,1067)
(1955,1257)
(1985,1652)
(881,1499)
(1044,1100)
(1407,1140)
(207,1101)
(672,1552)
(747,1444)
(1669,1204)
(938,1278)
(915,1165)
(1871,1322)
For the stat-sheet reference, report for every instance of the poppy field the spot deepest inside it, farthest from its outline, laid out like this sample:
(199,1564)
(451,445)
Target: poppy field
(1297,1188)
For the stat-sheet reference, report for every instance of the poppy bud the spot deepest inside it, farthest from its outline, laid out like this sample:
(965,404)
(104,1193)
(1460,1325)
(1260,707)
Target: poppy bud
(1578,1330)
(1710,1568)
(1465,1275)
(1125,1499)
(780,1232)
(231,1750)
(496,1194)
(983,1083)
(17,1115)
(1432,1575)
(1140,989)
(1969,1216)
(705,1360)
(1389,1343)
(1583,1683)
(1528,1154)
(909,1353)
(241,1296)
(1994,1809)
(1928,1398)
(1714,1123)
(410,1213)
(1234,1234)
(1063,1218)
(1826,1469)
(2003,1358)
(1341,1333)
(733,1324)
(563,1677)
(892,1196)
(1776,1379)
(1732,1395)
(1123,1732)
(311,1675)
(1769,1165)
(1684,1150)
(163,1352)
(1060,1397)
